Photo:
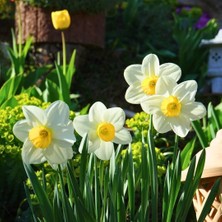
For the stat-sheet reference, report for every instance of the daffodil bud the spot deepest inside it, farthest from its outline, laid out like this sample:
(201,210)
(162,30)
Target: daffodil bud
(61,19)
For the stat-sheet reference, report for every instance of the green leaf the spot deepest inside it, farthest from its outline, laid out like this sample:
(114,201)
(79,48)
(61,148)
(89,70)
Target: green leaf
(64,90)
(41,194)
(210,199)
(9,88)
(52,92)
(200,133)
(186,153)
(12,102)
(71,70)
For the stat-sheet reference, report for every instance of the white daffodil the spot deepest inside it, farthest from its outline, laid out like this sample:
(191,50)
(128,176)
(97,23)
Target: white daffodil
(143,79)
(48,135)
(103,127)
(176,109)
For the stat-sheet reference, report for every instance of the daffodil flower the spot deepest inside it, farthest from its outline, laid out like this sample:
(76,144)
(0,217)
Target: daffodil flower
(143,79)
(48,135)
(175,109)
(103,127)
(61,19)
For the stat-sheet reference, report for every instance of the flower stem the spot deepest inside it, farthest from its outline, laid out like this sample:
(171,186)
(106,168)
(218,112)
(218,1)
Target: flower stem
(175,149)
(153,170)
(63,52)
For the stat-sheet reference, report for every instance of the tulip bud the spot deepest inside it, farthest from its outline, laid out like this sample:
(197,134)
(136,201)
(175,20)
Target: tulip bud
(61,19)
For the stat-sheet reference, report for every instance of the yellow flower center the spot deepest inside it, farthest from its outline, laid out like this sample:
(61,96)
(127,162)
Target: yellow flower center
(40,136)
(171,106)
(106,131)
(149,84)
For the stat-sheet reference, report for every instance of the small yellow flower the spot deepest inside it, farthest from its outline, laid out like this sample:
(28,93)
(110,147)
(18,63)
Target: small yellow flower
(61,19)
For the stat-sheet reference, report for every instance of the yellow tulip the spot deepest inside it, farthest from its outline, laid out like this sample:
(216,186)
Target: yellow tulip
(61,19)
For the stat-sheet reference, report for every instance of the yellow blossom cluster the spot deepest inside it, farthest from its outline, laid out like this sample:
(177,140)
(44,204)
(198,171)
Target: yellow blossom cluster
(139,124)
(136,155)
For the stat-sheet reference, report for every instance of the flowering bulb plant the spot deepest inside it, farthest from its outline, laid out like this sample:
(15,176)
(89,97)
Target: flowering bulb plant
(110,185)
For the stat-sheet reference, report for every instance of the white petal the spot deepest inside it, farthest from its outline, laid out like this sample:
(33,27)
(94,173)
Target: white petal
(170,70)
(122,137)
(105,151)
(152,104)
(116,116)
(96,112)
(161,123)
(34,115)
(64,136)
(57,113)
(82,143)
(134,94)
(150,65)
(32,155)
(93,144)
(21,130)
(133,73)
(165,86)
(180,125)
(194,110)
(81,124)
(57,155)
(186,91)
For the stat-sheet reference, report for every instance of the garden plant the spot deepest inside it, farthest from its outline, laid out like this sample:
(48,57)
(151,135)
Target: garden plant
(93,163)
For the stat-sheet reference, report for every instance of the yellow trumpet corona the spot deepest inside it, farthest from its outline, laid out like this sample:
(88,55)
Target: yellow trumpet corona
(61,19)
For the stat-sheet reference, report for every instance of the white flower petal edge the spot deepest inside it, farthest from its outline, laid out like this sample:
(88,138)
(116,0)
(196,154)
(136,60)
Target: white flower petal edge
(81,124)
(95,112)
(31,155)
(122,137)
(34,115)
(57,113)
(57,155)
(116,116)
(133,73)
(160,124)
(195,110)
(150,65)
(186,91)
(21,129)
(134,93)
(180,125)
(170,70)
(105,151)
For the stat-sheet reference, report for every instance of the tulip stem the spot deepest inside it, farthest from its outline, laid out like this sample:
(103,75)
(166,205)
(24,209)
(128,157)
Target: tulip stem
(63,52)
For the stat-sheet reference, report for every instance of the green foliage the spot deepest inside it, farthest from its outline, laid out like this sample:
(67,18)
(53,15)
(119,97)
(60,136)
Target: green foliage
(73,5)
(138,24)
(191,57)
(7,9)
(18,54)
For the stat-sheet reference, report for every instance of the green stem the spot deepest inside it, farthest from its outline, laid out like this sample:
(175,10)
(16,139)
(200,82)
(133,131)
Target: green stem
(153,171)
(63,52)
(175,149)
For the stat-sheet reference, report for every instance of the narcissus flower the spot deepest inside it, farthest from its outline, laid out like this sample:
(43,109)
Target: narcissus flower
(103,127)
(143,79)
(175,109)
(61,19)
(48,135)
